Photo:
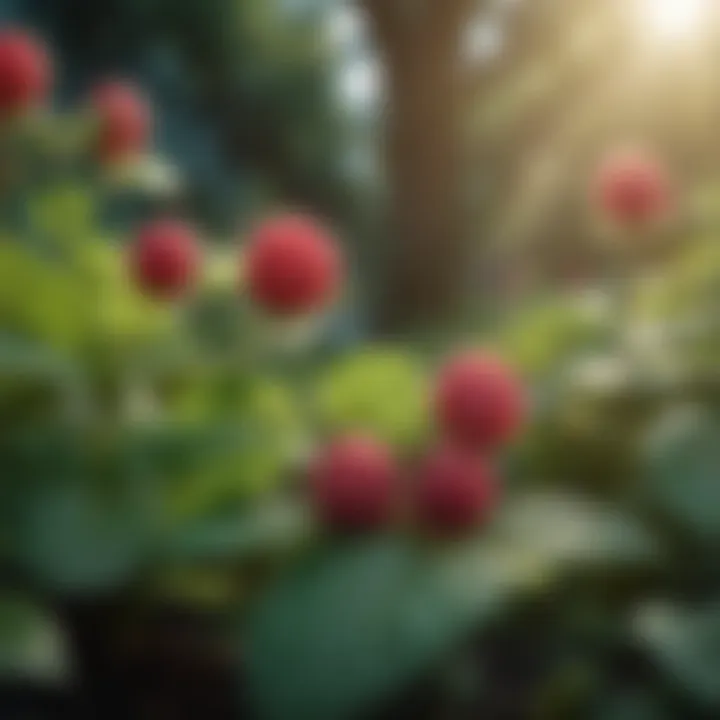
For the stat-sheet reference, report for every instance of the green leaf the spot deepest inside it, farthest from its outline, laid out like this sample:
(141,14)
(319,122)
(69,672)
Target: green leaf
(40,300)
(691,287)
(30,642)
(631,705)
(258,530)
(379,390)
(264,434)
(575,531)
(65,214)
(683,472)
(545,334)
(73,539)
(686,643)
(122,316)
(21,358)
(326,642)
(359,620)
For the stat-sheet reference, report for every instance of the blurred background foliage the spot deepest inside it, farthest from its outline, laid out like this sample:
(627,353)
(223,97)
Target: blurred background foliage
(152,456)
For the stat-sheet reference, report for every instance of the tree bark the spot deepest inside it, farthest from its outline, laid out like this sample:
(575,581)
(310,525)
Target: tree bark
(420,44)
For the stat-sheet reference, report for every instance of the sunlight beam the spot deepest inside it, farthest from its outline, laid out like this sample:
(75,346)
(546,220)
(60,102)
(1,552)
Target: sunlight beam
(674,19)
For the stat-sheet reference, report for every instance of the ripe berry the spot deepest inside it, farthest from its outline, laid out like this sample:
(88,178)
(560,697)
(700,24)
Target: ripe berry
(293,265)
(165,258)
(354,484)
(124,120)
(25,72)
(456,491)
(479,403)
(633,189)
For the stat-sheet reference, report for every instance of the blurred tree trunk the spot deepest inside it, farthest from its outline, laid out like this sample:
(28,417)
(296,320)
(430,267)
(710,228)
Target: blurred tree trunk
(419,43)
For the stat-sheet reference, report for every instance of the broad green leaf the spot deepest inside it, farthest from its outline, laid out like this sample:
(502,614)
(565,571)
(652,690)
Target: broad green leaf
(683,471)
(265,437)
(584,532)
(31,646)
(361,619)
(378,390)
(123,316)
(546,334)
(77,538)
(66,214)
(234,537)
(631,705)
(685,641)
(691,286)
(21,358)
(41,300)
(55,136)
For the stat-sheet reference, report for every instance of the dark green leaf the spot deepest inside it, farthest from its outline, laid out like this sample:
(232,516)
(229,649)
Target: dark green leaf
(30,642)
(71,538)
(683,472)
(233,538)
(686,642)
(359,620)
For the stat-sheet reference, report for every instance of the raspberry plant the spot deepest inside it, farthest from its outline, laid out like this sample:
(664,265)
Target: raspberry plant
(154,435)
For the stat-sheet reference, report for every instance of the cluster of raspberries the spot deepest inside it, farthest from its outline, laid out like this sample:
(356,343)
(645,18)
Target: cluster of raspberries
(292,265)
(479,405)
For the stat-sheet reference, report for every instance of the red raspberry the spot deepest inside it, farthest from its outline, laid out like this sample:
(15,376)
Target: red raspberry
(25,72)
(354,484)
(124,120)
(456,491)
(293,265)
(479,403)
(634,189)
(165,258)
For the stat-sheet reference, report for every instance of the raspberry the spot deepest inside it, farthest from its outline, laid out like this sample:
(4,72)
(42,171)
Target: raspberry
(479,403)
(165,258)
(124,120)
(293,265)
(633,189)
(25,72)
(456,491)
(354,484)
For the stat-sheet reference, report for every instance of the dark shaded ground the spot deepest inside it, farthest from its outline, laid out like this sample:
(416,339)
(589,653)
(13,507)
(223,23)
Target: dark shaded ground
(175,665)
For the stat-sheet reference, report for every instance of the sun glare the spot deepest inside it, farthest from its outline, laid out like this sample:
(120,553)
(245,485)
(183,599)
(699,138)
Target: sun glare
(675,18)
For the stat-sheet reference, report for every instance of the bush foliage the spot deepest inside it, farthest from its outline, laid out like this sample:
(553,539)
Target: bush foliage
(154,450)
